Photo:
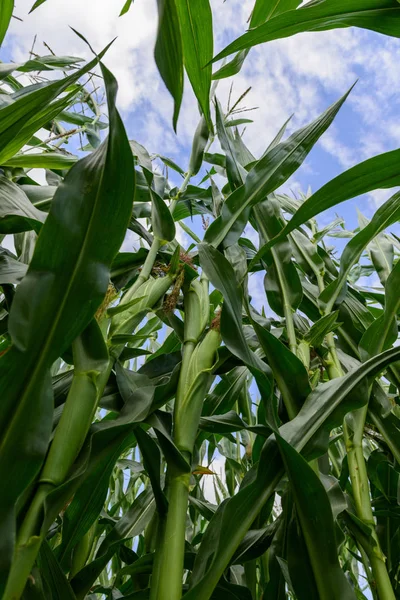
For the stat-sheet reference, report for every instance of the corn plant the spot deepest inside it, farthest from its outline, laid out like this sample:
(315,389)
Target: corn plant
(126,378)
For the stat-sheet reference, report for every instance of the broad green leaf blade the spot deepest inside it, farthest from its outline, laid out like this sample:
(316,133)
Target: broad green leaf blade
(271,171)
(16,212)
(6,10)
(49,160)
(129,526)
(323,410)
(221,274)
(316,335)
(53,574)
(31,109)
(386,215)
(161,219)
(232,67)
(375,173)
(290,374)
(382,16)
(316,520)
(168,52)
(383,332)
(24,131)
(195,20)
(58,297)
(152,463)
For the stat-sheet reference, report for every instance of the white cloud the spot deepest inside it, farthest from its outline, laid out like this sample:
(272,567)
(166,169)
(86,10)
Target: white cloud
(293,75)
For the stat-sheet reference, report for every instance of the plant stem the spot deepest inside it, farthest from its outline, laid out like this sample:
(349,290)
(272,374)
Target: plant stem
(169,584)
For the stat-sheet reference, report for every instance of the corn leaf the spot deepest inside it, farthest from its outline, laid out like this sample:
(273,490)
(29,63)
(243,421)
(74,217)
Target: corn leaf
(266,176)
(382,16)
(168,52)
(57,299)
(6,10)
(195,20)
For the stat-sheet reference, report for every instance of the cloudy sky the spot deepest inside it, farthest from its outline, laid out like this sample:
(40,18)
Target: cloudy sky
(301,75)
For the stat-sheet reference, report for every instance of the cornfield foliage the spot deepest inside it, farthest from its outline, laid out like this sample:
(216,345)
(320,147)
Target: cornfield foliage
(124,375)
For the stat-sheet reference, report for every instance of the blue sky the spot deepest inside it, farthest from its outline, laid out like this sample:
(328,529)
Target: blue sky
(301,75)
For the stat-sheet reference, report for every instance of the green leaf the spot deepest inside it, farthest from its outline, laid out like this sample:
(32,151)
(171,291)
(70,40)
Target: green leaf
(200,140)
(262,11)
(382,16)
(161,219)
(314,513)
(6,10)
(56,300)
(195,20)
(290,373)
(168,52)
(152,463)
(21,119)
(129,526)
(282,282)
(37,4)
(266,9)
(42,63)
(382,333)
(236,173)
(53,574)
(16,212)
(374,173)
(221,274)
(271,171)
(48,160)
(126,7)
(386,215)
(316,335)
(229,423)
(323,410)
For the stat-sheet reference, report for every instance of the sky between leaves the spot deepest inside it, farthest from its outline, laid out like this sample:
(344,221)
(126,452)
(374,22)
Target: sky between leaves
(300,75)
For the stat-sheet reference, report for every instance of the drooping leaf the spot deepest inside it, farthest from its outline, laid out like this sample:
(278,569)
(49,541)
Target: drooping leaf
(386,215)
(57,299)
(130,525)
(316,520)
(382,16)
(267,175)
(11,270)
(324,408)
(21,119)
(168,52)
(262,11)
(289,372)
(374,173)
(382,333)
(16,212)
(53,575)
(222,276)
(49,160)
